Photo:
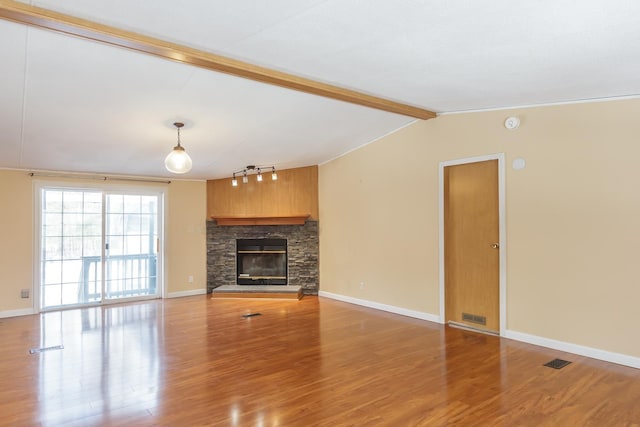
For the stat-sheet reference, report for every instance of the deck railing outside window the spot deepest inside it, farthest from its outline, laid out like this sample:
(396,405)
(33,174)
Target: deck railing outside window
(126,276)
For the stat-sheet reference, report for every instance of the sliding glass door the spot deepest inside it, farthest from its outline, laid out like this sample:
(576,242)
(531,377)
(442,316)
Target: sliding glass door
(97,246)
(71,234)
(131,245)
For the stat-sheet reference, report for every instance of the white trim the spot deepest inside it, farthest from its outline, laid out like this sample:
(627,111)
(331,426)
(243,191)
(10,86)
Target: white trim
(15,313)
(163,232)
(441,242)
(380,306)
(159,190)
(543,104)
(36,220)
(502,230)
(190,293)
(607,356)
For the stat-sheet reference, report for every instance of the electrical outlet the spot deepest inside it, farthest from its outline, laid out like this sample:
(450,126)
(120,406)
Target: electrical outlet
(24,293)
(190,279)
(361,286)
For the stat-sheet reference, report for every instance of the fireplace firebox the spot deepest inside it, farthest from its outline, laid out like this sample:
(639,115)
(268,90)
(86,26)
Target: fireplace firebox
(261,261)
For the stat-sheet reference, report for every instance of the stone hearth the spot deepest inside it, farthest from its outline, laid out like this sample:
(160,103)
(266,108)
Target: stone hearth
(302,241)
(258,291)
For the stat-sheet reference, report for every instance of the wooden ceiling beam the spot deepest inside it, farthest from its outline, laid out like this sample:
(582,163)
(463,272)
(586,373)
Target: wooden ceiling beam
(66,24)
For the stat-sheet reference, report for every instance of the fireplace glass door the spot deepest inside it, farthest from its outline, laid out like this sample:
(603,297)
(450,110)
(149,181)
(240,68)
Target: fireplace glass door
(261,261)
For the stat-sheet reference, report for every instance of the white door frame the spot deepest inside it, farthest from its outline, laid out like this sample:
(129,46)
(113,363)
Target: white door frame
(501,227)
(161,192)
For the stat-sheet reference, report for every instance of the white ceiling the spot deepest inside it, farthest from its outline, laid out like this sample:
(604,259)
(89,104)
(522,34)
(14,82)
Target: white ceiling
(69,104)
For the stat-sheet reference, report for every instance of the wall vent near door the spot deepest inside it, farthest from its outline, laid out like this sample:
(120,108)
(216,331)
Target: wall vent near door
(474,318)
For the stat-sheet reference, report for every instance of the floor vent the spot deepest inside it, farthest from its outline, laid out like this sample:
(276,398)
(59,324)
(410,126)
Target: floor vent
(474,318)
(246,316)
(40,350)
(557,363)
(471,328)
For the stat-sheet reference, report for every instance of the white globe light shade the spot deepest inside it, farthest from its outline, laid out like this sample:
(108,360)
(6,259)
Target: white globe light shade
(178,161)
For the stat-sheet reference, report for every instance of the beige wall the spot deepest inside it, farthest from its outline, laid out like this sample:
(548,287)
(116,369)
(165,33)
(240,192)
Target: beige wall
(186,243)
(16,231)
(378,223)
(573,218)
(185,239)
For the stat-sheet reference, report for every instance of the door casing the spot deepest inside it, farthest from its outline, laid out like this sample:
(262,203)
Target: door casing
(501,226)
(161,192)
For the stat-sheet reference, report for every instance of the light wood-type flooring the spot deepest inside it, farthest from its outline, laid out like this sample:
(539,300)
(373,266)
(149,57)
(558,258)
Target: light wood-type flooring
(196,361)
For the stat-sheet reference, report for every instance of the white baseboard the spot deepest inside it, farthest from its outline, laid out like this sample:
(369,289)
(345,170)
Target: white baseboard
(383,307)
(189,293)
(607,356)
(14,313)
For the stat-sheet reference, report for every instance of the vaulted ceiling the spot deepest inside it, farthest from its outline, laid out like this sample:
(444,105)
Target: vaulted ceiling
(68,103)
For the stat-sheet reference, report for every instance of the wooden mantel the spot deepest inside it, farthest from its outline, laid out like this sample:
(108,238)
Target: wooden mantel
(261,220)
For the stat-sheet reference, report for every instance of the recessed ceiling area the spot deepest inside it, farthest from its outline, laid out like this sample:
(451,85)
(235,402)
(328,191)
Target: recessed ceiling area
(71,104)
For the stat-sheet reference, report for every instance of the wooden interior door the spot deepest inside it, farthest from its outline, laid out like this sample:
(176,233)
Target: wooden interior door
(471,247)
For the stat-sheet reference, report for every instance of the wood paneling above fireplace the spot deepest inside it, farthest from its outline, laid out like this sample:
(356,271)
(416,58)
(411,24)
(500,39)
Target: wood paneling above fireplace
(294,194)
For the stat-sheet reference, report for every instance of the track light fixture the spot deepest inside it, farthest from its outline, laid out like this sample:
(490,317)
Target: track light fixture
(251,170)
(178,161)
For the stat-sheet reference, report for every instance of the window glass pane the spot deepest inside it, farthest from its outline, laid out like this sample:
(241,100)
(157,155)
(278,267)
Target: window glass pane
(115,224)
(52,201)
(132,224)
(52,248)
(114,287)
(116,246)
(71,271)
(52,295)
(115,203)
(146,226)
(52,272)
(92,225)
(132,245)
(132,204)
(91,287)
(71,293)
(72,201)
(149,204)
(52,224)
(92,291)
(93,203)
(92,246)
(147,244)
(72,224)
(72,247)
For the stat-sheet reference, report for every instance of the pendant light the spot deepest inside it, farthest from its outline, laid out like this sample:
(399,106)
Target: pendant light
(178,161)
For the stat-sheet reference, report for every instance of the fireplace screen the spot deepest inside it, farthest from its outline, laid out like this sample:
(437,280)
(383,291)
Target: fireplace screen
(262,261)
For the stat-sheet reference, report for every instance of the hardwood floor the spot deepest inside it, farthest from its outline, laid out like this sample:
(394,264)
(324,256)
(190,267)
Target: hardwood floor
(314,362)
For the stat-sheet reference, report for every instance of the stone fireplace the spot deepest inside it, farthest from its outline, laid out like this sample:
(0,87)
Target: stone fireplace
(301,255)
